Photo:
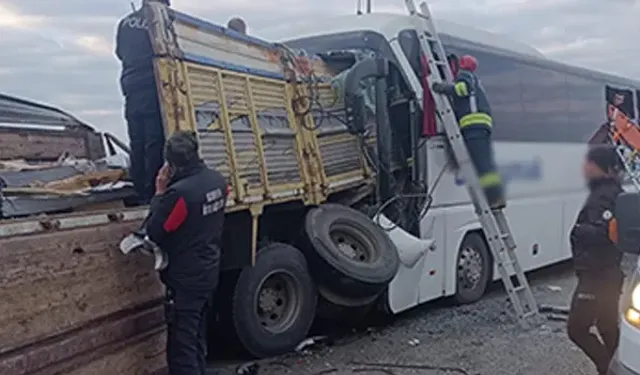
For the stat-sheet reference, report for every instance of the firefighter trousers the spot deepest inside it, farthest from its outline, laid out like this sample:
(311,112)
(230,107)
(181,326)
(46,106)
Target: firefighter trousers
(186,317)
(146,139)
(595,304)
(478,140)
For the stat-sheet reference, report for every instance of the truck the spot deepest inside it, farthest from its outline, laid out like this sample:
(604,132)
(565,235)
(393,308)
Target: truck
(342,197)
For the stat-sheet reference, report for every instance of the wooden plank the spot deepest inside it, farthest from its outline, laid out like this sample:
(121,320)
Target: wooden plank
(53,282)
(44,144)
(85,181)
(122,341)
(111,205)
(143,355)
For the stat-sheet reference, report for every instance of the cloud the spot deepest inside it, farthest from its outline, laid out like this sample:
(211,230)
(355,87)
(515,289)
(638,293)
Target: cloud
(61,52)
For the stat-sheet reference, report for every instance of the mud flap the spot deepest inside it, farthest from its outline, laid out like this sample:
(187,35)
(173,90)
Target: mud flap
(404,289)
(410,248)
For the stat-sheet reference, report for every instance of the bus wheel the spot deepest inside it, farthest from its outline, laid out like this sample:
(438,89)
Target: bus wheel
(349,254)
(274,301)
(473,269)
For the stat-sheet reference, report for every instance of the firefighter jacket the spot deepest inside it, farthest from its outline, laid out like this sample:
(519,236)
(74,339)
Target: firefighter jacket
(593,234)
(469,100)
(186,222)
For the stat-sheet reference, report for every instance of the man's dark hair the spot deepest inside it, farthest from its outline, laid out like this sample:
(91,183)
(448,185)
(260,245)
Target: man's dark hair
(181,149)
(605,157)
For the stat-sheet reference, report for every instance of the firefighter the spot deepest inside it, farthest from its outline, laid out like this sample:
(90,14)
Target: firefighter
(238,25)
(141,105)
(597,261)
(185,220)
(473,113)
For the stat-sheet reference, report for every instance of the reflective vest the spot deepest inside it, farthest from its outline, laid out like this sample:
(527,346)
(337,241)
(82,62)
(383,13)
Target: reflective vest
(470,101)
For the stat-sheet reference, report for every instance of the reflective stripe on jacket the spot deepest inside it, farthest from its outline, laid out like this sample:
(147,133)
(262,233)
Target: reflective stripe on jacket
(470,102)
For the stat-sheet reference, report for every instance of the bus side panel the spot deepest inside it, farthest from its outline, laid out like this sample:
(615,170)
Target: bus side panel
(544,189)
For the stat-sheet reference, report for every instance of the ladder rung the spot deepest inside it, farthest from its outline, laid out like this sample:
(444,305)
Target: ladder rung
(519,288)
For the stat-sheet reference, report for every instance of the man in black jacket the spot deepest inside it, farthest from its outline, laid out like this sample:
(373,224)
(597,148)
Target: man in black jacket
(186,220)
(141,107)
(597,261)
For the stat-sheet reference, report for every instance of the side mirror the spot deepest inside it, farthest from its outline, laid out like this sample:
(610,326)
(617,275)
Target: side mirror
(628,222)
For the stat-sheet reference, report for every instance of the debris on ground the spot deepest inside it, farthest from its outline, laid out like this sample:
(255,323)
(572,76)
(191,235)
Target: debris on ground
(563,310)
(309,342)
(414,342)
(248,368)
(389,366)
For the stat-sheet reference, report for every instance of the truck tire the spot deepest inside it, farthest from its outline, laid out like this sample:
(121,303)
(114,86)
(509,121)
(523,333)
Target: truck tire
(348,253)
(473,269)
(333,307)
(274,302)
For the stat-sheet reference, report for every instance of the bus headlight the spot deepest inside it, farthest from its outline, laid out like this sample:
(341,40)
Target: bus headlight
(632,313)
(635,297)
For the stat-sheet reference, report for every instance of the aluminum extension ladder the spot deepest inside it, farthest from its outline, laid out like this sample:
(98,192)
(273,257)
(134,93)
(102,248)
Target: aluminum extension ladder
(494,223)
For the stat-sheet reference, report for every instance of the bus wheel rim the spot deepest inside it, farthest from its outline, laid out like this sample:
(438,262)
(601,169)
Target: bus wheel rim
(470,268)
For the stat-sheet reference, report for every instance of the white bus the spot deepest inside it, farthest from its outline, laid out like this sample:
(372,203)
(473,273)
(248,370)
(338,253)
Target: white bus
(544,114)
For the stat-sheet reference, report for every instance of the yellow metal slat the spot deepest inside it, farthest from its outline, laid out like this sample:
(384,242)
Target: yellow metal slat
(231,153)
(253,119)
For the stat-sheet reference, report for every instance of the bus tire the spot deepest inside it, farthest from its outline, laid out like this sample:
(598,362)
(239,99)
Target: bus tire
(274,302)
(473,269)
(348,253)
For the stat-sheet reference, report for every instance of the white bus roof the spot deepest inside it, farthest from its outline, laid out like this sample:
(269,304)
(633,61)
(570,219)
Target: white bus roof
(390,25)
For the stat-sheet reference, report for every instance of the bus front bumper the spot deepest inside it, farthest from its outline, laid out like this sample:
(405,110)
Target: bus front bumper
(617,368)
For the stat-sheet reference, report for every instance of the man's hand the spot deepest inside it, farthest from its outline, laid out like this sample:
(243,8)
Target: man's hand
(162,179)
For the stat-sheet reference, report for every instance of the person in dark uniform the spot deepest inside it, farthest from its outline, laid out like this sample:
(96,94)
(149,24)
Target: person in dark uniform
(141,107)
(186,220)
(473,112)
(597,260)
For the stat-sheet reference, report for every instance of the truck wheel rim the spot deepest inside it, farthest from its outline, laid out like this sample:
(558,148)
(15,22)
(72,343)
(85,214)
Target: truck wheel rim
(352,247)
(278,301)
(469,268)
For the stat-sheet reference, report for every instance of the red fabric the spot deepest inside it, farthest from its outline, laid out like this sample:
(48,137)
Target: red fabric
(454,68)
(177,217)
(468,62)
(429,127)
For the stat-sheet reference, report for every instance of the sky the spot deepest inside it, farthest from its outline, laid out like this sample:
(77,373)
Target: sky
(61,52)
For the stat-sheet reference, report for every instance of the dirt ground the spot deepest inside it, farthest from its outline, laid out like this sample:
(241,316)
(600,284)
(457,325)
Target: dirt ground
(479,339)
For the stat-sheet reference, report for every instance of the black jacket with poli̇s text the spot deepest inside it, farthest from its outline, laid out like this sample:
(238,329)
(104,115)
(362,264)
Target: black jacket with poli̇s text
(591,244)
(187,222)
(135,51)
